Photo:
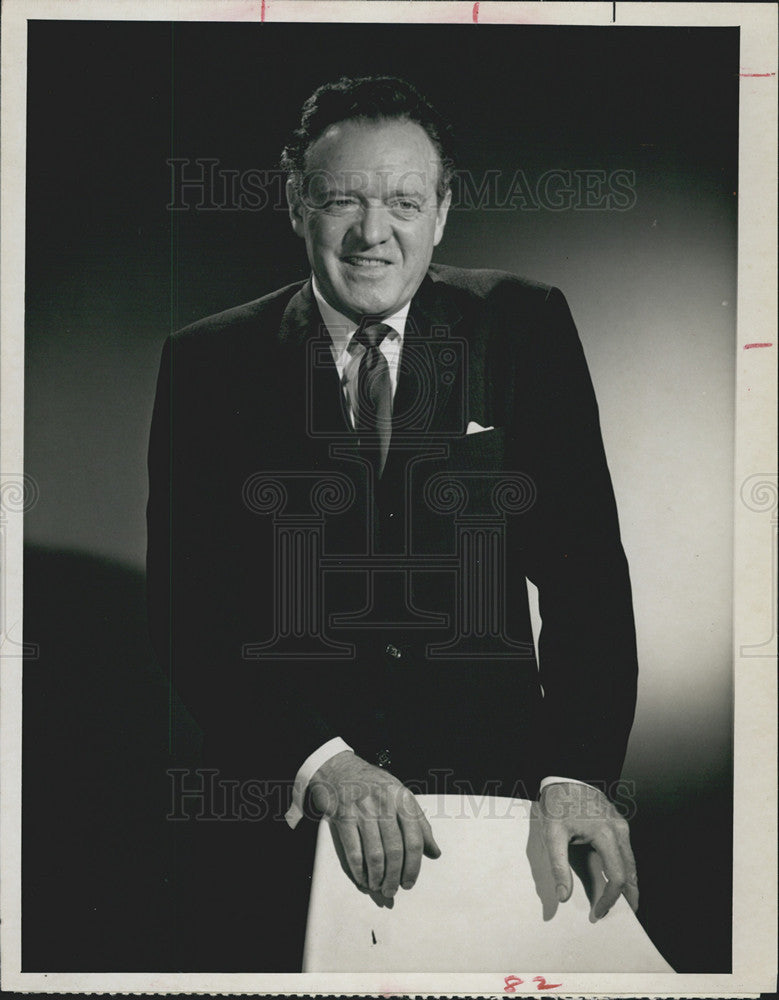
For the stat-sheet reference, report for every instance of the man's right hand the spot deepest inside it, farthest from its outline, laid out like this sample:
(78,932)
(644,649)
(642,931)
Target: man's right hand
(382,828)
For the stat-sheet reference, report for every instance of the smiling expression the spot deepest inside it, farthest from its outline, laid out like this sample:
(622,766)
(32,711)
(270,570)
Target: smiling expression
(369,213)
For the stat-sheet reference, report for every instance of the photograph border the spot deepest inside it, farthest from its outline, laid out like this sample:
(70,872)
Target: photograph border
(754,490)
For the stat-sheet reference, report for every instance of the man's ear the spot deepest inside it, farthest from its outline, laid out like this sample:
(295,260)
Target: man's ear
(441,213)
(296,207)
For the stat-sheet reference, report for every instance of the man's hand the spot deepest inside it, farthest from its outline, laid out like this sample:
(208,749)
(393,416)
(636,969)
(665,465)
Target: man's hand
(580,814)
(379,821)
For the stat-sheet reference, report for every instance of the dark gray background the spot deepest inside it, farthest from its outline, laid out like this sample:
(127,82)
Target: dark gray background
(110,271)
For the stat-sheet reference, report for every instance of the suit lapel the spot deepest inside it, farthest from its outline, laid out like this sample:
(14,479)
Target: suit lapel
(306,345)
(430,362)
(430,366)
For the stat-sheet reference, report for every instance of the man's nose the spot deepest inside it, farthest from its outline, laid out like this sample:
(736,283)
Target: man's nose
(374,225)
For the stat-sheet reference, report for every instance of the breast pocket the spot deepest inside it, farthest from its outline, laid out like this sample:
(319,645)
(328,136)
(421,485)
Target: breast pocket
(461,484)
(483,451)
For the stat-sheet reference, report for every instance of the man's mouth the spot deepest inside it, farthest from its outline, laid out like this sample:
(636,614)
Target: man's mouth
(367,262)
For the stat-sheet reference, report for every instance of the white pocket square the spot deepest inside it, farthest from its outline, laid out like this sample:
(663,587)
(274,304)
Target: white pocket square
(474,428)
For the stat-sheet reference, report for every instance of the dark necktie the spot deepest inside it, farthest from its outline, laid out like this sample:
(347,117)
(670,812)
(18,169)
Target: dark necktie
(373,419)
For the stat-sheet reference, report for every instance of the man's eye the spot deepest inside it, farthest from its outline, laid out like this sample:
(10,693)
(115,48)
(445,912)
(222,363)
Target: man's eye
(405,206)
(340,204)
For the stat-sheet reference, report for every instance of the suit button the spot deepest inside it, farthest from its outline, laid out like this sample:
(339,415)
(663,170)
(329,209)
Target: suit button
(383,758)
(393,651)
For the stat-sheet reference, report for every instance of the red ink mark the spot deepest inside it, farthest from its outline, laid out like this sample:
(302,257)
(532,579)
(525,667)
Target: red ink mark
(544,985)
(747,346)
(476,21)
(757,74)
(513,981)
(262,11)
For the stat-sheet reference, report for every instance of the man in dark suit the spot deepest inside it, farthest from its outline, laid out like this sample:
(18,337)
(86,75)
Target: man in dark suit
(351,480)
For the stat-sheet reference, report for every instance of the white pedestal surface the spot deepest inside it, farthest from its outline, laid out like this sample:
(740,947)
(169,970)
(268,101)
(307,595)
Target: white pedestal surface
(488,903)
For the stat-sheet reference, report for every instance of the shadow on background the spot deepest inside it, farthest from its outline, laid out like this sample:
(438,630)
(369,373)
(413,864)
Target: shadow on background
(97,850)
(683,843)
(98,855)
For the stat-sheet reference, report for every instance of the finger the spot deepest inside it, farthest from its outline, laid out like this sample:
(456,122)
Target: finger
(413,844)
(373,852)
(605,843)
(392,842)
(556,840)
(352,847)
(430,847)
(630,892)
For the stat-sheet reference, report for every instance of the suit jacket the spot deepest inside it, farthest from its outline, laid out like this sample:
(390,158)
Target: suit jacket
(293,599)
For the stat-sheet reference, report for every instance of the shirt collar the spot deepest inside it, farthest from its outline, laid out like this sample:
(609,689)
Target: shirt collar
(341,328)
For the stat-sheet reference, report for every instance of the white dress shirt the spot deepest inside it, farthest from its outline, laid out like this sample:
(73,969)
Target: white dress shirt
(346,356)
(347,353)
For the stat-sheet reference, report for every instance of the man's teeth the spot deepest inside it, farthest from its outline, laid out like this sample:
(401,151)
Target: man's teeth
(366,262)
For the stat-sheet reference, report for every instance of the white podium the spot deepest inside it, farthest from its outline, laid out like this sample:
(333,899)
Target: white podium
(488,903)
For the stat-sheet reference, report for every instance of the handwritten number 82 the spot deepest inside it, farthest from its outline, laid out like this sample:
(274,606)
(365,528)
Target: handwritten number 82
(513,981)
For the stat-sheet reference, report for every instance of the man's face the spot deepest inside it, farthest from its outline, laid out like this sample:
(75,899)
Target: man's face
(369,214)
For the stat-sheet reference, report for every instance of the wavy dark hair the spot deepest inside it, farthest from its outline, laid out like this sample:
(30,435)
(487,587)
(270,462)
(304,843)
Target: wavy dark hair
(368,98)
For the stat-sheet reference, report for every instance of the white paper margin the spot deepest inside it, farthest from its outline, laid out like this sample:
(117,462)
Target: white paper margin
(755,873)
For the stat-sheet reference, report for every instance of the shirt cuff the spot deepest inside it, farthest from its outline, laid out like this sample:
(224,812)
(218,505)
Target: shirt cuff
(555,780)
(308,769)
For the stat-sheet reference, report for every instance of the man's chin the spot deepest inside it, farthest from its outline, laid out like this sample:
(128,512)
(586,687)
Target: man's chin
(369,304)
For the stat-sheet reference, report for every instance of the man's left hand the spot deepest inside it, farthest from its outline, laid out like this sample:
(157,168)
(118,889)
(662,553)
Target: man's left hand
(580,814)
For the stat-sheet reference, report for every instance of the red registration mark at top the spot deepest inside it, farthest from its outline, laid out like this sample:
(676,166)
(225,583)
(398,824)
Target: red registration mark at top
(541,984)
